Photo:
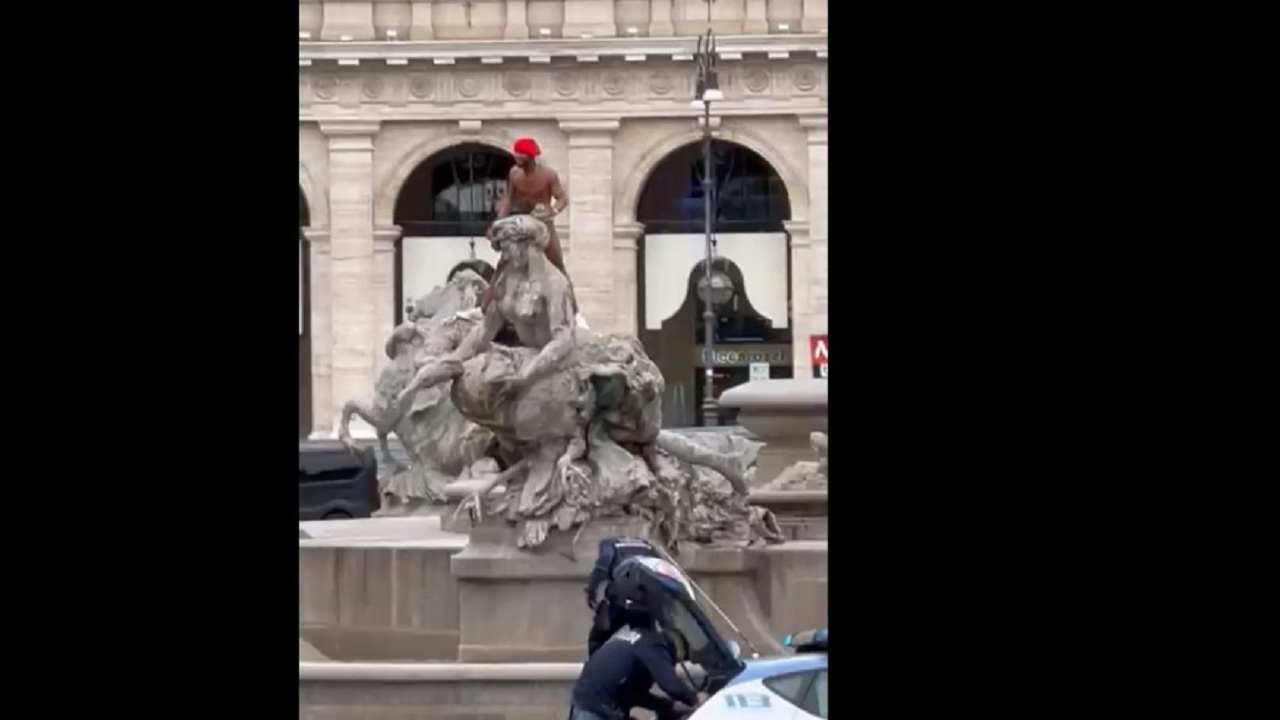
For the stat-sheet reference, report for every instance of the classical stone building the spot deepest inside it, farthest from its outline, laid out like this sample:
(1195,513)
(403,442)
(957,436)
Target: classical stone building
(407,112)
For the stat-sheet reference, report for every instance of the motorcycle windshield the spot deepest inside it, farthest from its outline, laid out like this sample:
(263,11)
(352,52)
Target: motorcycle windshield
(680,611)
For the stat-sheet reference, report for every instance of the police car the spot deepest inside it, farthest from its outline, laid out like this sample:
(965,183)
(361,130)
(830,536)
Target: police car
(787,687)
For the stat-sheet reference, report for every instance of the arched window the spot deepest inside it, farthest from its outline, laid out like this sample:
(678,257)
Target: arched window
(749,195)
(454,192)
(444,209)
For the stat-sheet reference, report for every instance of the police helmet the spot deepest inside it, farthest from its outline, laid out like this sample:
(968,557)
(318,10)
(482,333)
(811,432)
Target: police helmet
(633,589)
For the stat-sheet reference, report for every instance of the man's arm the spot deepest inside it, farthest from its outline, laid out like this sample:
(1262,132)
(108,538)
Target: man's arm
(559,197)
(660,662)
(660,706)
(600,573)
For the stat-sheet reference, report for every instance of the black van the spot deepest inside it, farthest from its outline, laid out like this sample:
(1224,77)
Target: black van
(336,483)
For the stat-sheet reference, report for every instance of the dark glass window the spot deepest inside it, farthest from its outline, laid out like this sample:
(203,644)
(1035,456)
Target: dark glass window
(748,197)
(455,192)
(815,701)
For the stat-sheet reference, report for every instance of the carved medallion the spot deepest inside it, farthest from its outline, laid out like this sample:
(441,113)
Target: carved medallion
(806,79)
(565,84)
(373,87)
(421,86)
(468,86)
(614,84)
(517,83)
(325,86)
(757,80)
(660,83)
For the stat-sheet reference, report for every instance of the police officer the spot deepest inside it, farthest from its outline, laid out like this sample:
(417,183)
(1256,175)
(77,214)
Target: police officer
(618,676)
(607,615)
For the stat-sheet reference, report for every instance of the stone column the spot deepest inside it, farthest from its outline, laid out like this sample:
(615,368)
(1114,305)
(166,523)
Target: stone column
(660,24)
(354,320)
(801,282)
(384,288)
(625,292)
(816,129)
(517,20)
(421,27)
(815,16)
(589,17)
(757,22)
(589,258)
(396,15)
(310,19)
(352,20)
(321,334)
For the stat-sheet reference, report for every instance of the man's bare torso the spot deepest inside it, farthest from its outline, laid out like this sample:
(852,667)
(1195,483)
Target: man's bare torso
(528,189)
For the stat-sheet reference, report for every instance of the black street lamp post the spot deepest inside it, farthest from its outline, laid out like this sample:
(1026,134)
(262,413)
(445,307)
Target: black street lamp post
(707,90)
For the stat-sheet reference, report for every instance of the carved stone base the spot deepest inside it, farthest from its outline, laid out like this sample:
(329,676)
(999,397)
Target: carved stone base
(519,606)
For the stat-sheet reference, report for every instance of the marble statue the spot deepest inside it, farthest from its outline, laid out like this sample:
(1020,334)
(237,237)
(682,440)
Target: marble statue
(574,417)
(440,442)
(806,474)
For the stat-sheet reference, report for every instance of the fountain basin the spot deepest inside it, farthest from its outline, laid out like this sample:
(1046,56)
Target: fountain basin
(457,691)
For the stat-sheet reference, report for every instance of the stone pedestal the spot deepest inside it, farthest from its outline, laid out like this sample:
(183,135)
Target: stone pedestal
(731,577)
(378,590)
(793,585)
(780,413)
(521,606)
(802,514)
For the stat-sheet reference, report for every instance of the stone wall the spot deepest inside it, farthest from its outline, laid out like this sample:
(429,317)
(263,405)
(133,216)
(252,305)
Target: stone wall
(344,20)
(375,603)
(368,597)
(332,691)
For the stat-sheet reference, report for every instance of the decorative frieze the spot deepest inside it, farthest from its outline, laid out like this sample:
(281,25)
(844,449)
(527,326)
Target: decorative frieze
(644,85)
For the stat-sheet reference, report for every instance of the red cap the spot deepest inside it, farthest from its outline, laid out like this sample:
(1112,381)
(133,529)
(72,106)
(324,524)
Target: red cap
(526,146)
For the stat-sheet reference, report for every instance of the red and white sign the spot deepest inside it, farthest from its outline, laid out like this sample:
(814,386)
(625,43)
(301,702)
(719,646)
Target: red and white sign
(818,355)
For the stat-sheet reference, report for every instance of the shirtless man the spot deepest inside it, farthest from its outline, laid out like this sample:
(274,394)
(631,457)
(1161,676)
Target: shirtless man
(531,185)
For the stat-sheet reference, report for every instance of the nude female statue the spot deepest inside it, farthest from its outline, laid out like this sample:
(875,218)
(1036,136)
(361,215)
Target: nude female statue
(564,388)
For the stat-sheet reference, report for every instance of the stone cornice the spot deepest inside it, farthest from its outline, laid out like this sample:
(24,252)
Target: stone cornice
(349,128)
(626,234)
(384,113)
(317,236)
(799,231)
(590,132)
(583,50)
(478,92)
(385,237)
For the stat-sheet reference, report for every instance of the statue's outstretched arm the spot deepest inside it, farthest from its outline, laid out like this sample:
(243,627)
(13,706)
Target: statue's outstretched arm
(439,370)
(477,341)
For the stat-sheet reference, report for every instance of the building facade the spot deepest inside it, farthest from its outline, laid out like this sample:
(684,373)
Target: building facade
(407,113)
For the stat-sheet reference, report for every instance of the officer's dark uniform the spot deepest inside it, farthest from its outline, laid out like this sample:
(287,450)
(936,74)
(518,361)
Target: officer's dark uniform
(612,552)
(617,678)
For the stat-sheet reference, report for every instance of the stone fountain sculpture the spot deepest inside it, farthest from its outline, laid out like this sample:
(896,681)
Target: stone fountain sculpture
(440,441)
(805,474)
(572,417)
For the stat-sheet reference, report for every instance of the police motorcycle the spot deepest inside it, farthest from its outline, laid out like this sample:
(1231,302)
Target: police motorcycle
(787,687)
